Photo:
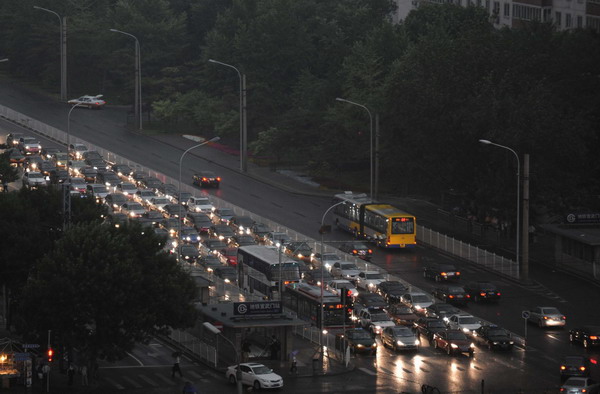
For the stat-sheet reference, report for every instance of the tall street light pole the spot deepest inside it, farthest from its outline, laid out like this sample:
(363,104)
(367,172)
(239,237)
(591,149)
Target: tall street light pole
(243,122)
(518,252)
(238,373)
(63,52)
(67,185)
(370,140)
(179,187)
(138,80)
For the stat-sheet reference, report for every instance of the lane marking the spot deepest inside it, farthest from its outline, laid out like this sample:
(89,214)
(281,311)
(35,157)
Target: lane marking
(406,370)
(132,382)
(148,380)
(368,371)
(136,359)
(166,380)
(386,371)
(114,383)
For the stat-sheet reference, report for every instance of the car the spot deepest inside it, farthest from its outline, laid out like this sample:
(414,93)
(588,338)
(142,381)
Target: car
(150,182)
(441,310)
(241,224)
(206,179)
(358,249)
(122,170)
(77,150)
(391,290)
(374,320)
(155,217)
(110,179)
(200,204)
(345,270)
(465,322)
(260,231)
(92,154)
(127,188)
(47,152)
(546,316)
(316,277)
(58,176)
(46,167)
(75,167)
(99,192)
(416,301)
(90,102)
(299,250)
(455,295)
(228,274)
(188,252)
(175,210)
(210,262)
(33,179)
(115,201)
(168,190)
(32,163)
(441,272)
(133,209)
(158,203)
(588,336)
(30,146)
(189,235)
(329,259)
(221,231)
(171,225)
(369,300)
(78,185)
(574,366)
(256,375)
(15,156)
(337,286)
(453,342)
(360,341)
(60,159)
(200,221)
(369,280)
(12,139)
(211,246)
(227,256)
(483,291)
(222,215)
(97,164)
(428,326)
(402,315)
(143,196)
(241,240)
(88,173)
(276,238)
(494,337)
(400,338)
(580,385)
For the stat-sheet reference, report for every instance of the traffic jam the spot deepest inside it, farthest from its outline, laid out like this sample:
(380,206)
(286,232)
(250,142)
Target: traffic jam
(378,311)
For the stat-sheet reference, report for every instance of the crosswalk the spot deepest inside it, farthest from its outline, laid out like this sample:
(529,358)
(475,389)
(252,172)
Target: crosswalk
(146,377)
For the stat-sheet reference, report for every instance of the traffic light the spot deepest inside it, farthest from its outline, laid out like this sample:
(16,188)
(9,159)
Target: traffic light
(50,354)
(346,297)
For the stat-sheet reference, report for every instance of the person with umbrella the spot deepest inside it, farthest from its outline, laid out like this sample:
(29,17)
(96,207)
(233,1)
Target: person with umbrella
(294,366)
(176,367)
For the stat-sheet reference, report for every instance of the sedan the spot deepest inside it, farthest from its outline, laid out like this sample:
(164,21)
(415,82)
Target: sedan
(391,290)
(222,215)
(441,310)
(199,221)
(241,240)
(574,366)
(276,238)
(370,300)
(91,102)
(256,375)
(338,286)
(158,203)
(207,179)
(400,338)
(221,231)
(369,280)
(259,231)
(211,246)
(227,256)
(127,188)
(416,301)
(228,274)
(402,315)
(188,252)
(299,250)
(483,291)
(547,316)
(189,235)
(493,337)
(580,385)
(144,196)
(455,295)
(242,224)
(329,259)
(210,263)
(453,342)
(441,272)
(345,270)
(428,326)
(200,204)
(358,249)
(588,336)
(175,210)
(466,323)
(133,209)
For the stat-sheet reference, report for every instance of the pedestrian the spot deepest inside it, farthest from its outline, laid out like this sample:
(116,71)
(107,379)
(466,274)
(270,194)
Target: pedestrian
(294,366)
(84,376)
(71,374)
(176,367)
(46,373)
(188,388)
(245,351)
(40,371)
(274,346)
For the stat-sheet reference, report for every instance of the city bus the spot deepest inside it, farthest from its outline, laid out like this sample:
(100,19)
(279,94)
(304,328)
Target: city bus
(382,224)
(305,300)
(259,267)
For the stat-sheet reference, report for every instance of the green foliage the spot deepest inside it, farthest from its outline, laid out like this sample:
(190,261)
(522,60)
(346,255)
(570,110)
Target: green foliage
(8,173)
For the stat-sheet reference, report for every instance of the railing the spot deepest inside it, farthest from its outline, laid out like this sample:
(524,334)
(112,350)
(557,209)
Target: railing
(194,345)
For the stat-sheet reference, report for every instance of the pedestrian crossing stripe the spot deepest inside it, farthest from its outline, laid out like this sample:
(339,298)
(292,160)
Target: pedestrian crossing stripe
(132,382)
(147,379)
(369,371)
(114,383)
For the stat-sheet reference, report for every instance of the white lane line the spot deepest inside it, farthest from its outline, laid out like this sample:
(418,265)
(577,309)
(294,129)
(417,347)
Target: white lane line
(147,379)
(136,359)
(368,371)
(114,383)
(164,379)
(132,382)
(552,336)
(386,371)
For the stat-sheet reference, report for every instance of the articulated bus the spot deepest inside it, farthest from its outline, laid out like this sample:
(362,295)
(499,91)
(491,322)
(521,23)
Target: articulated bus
(259,267)
(383,224)
(305,300)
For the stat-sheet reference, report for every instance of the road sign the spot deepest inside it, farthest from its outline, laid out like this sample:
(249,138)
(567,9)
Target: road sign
(30,345)
(525,314)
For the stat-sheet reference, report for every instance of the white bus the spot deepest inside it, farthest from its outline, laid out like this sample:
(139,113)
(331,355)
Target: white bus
(260,266)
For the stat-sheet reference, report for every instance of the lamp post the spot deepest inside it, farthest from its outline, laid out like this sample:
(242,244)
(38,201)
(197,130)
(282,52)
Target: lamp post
(370,140)
(179,186)
(238,373)
(138,80)
(67,184)
(63,52)
(487,142)
(322,231)
(243,122)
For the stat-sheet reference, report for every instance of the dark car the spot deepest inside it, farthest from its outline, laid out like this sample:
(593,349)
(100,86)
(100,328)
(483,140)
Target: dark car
(210,262)
(58,176)
(175,210)
(47,152)
(170,224)
(89,174)
(400,338)
(241,240)
(402,315)
(428,326)
(212,246)
(207,179)
(441,272)
(454,295)
(358,249)
(222,215)
(12,139)
(483,291)
(221,231)
(299,250)
(453,342)
(370,300)
(242,224)
(189,235)
(167,190)
(574,366)
(360,341)
(494,337)
(391,290)
(122,170)
(441,310)
(115,201)
(228,274)
(200,221)
(588,336)
(154,216)
(189,253)
(315,278)
(109,178)
(260,230)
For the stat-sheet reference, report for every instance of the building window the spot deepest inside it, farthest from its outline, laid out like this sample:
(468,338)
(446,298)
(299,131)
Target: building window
(526,13)
(547,14)
(593,23)
(496,10)
(569,21)
(506,9)
(558,19)
(579,21)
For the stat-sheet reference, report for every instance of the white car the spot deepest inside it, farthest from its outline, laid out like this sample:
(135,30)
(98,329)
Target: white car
(368,280)
(344,270)
(256,375)
(127,188)
(338,285)
(143,196)
(158,203)
(133,209)
(329,259)
(374,320)
(547,316)
(580,385)
(466,323)
(91,102)
(200,204)
(34,179)
(77,150)
(417,301)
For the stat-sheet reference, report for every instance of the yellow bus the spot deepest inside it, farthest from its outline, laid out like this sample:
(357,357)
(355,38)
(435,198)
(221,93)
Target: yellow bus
(382,224)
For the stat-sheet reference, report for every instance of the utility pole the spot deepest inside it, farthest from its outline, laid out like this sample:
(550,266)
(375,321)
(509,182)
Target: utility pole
(524,274)
(376,157)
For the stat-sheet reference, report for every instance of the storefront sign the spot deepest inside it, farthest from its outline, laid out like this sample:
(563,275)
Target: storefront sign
(256,308)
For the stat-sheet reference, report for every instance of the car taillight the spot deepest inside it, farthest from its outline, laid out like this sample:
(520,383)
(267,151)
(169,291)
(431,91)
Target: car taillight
(219,178)
(498,293)
(482,294)
(582,368)
(593,337)
(468,295)
(369,251)
(443,274)
(450,296)
(354,251)
(545,317)
(562,367)
(593,361)
(564,318)
(204,179)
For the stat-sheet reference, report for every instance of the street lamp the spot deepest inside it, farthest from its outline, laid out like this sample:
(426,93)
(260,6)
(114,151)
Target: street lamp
(243,123)
(238,373)
(487,142)
(370,140)
(138,80)
(67,185)
(63,52)
(179,185)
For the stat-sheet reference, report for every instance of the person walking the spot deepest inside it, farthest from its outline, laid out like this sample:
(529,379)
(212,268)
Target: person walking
(294,366)
(176,367)
(245,351)
(84,376)
(71,374)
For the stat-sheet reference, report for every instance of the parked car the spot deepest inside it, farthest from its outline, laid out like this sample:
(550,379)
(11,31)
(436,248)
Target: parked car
(574,366)
(441,272)
(546,316)
(494,337)
(391,290)
(453,342)
(206,179)
(454,295)
(358,249)
(400,338)
(483,291)
(360,341)
(588,336)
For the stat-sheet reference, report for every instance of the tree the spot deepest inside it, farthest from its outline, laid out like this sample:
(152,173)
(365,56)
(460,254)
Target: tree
(103,288)
(8,173)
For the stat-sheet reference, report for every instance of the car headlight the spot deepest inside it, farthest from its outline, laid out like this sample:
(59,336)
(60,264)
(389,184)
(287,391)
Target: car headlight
(472,345)
(454,346)
(465,329)
(374,344)
(371,284)
(328,266)
(360,345)
(378,328)
(511,342)
(495,343)
(400,343)
(131,213)
(418,307)
(417,342)
(226,280)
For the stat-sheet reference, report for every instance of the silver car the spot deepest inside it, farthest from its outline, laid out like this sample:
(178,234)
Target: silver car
(400,338)
(547,316)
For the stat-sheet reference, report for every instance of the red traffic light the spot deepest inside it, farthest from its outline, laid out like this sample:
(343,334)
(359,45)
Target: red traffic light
(50,353)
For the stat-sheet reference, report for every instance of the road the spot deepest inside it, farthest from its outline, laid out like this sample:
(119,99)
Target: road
(537,367)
